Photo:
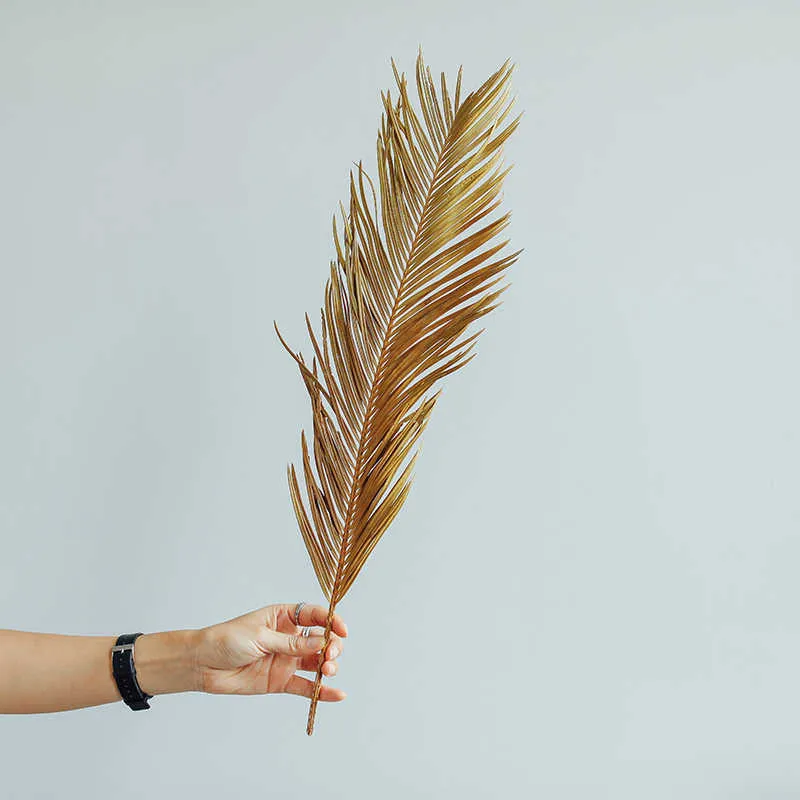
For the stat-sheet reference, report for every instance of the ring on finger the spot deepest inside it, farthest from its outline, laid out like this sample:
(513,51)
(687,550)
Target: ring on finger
(297,609)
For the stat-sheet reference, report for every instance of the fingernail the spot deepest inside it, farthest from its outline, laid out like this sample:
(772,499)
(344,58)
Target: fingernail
(316,642)
(334,653)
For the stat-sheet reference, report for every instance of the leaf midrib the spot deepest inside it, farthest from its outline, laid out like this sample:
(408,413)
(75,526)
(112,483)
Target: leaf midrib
(370,407)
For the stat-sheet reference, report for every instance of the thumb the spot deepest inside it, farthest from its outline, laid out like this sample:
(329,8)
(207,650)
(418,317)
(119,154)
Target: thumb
(290,644)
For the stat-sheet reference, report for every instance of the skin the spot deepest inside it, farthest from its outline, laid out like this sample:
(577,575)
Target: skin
(256,653)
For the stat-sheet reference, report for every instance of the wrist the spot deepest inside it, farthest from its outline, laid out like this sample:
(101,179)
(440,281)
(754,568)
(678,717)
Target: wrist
(166,662)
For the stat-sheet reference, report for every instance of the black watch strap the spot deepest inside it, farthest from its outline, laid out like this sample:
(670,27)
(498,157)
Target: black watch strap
(125,673)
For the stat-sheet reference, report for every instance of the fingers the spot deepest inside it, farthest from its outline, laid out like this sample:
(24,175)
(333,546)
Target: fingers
(332,652)
(311,663)
(315,615)
(306,648)
(335,644)
(305,688)
(290,644)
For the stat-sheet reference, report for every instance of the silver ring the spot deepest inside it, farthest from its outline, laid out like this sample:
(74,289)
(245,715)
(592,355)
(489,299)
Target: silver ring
(306,632)
(297,609)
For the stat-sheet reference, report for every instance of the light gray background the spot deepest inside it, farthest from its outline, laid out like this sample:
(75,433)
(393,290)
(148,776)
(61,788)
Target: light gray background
(592,590)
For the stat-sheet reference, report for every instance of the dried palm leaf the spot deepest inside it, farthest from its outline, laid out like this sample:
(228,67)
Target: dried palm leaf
(417,263)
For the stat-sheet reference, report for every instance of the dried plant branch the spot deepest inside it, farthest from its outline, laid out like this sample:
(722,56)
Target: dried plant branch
(417,262)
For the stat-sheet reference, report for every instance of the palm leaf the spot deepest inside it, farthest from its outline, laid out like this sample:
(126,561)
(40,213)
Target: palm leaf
(417,262)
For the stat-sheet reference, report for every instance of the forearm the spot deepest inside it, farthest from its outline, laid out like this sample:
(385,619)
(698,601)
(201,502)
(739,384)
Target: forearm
(42,672)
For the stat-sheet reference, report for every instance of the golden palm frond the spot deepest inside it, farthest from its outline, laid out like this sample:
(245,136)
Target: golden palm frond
(418,261)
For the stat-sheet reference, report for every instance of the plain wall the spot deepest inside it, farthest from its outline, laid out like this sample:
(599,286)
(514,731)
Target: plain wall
(593,588)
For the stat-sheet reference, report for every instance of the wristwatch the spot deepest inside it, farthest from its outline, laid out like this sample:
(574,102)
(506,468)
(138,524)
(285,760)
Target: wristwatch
(125,673)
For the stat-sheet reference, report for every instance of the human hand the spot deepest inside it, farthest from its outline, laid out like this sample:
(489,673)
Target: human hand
(260,652)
